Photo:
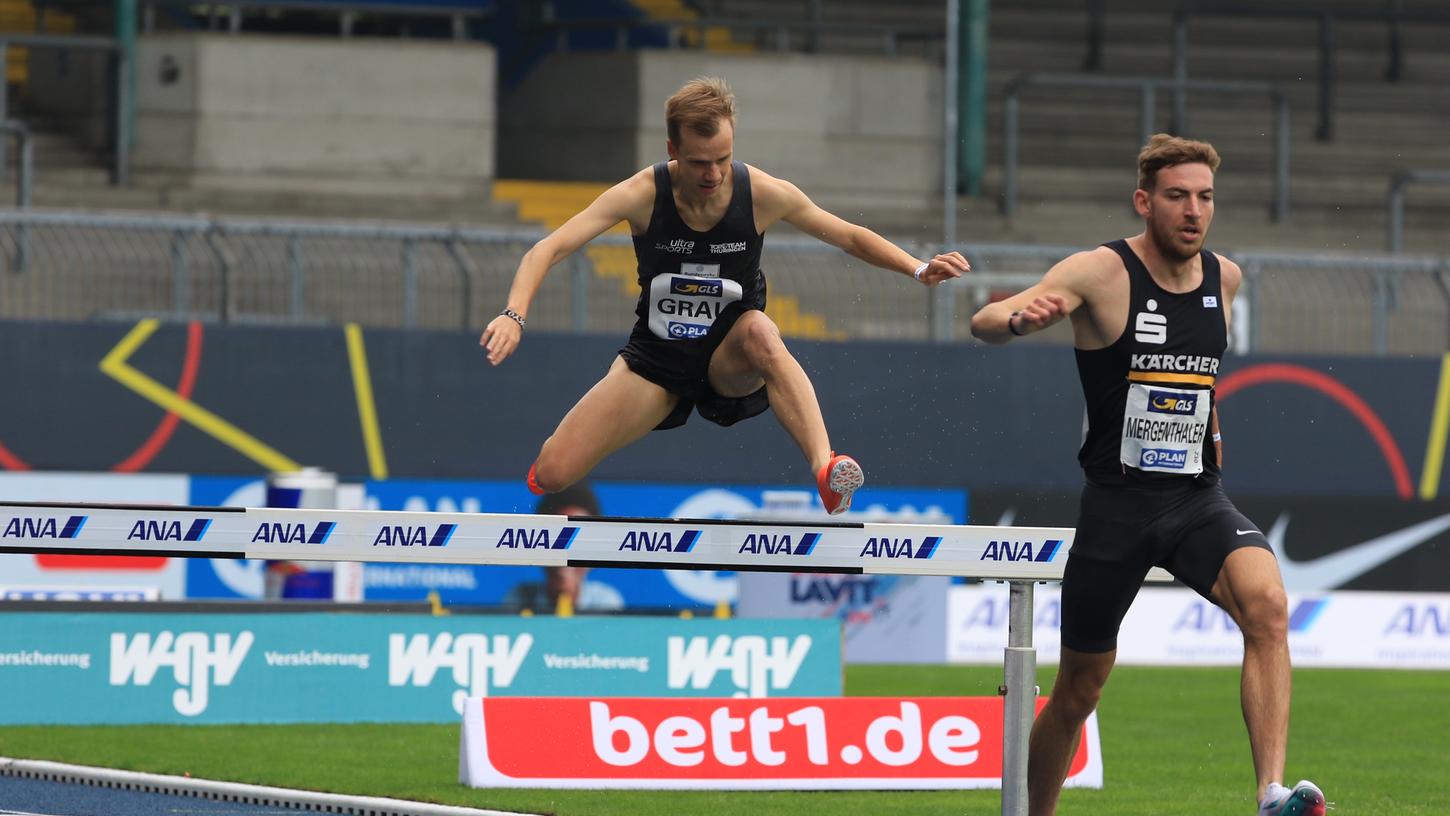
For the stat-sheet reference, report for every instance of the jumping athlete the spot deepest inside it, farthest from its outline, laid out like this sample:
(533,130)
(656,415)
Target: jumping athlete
(702,340)
(1150,317)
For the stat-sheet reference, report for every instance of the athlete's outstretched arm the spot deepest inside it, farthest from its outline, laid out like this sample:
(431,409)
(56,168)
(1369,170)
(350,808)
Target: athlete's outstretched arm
(1061,291)
(779,200)
(619,203)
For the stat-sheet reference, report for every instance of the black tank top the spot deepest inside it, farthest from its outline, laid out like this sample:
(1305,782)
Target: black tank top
(1149,393)
(686,277)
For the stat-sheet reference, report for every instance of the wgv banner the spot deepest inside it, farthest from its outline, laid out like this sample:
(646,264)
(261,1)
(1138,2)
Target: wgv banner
(862,743)
(62,668)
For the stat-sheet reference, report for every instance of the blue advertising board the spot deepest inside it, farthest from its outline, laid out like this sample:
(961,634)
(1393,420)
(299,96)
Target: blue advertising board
(463,584)
(101,668)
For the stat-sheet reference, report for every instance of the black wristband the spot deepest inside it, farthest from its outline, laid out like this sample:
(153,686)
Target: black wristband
(1012,328)
(514,316)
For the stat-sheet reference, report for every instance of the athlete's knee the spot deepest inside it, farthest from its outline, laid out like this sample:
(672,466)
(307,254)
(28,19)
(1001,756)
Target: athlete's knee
(761,344)
(551,473)
(1076,696)
(1264,612)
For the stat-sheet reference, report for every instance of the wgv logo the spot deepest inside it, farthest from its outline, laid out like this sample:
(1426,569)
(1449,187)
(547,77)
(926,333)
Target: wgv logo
(144,530)
(1015,551)
(196,659)
(646,541)
(754,665)
(414,535)
(900,547)
(536,538)
(276,533)
(474,659)
(24,527)
(767,544)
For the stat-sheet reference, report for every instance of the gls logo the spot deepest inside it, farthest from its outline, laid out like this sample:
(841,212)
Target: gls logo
(192,656)
(1164,402)
(754,664)
(474,660)
(1151,328)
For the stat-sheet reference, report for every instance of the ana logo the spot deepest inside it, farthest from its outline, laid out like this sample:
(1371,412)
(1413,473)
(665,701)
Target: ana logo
(900,547)
(678,246)
(1302,618)
(1163,458)
(1421,620)
(1014,551)
(25,527)
(144,530)
(536,538)
(196,659)
(703,288)
(687,331)
(293,533)
(414,535)
(1151,328)
(729,246)
(1166,402)
(767,544)
(473,659)
(753,664)
(646,541)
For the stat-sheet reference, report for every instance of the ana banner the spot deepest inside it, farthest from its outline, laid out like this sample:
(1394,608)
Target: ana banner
(100,668)
(863,743)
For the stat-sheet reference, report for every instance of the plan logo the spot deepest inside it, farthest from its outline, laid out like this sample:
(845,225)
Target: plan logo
(477,662)
(196,659)
(1163,458)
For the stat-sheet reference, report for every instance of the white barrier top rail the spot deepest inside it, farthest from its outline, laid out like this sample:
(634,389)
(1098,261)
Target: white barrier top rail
(999,553)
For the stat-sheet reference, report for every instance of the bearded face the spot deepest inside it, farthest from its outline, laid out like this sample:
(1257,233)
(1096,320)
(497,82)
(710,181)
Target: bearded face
(1179,209)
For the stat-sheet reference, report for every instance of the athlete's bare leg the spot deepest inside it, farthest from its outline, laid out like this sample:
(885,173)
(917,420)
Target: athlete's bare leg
(618,410)
(1250,590)
(753,354)
(1057,730)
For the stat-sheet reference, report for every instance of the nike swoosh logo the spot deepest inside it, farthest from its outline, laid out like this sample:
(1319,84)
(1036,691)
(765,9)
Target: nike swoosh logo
(1245,532)
(1330,571)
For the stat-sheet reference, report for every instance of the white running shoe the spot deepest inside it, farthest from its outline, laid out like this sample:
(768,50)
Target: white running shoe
(1306,799)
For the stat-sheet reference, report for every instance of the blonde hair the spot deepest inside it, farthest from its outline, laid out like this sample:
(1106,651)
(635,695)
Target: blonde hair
(699,105)
(1164,150)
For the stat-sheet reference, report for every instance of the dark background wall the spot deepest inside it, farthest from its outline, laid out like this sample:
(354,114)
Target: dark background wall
(969,416)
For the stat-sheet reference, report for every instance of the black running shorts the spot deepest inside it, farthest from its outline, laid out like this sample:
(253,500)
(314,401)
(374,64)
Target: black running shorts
(1122,532)
(682,367)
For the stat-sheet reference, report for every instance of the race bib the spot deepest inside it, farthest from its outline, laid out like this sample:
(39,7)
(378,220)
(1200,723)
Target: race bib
(685,306)
(1163,429)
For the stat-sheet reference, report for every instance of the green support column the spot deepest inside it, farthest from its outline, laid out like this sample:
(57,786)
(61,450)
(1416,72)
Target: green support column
(972,96)
(125,87)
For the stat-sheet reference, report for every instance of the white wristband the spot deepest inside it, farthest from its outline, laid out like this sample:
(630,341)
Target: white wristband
(919,270)
(1218,437)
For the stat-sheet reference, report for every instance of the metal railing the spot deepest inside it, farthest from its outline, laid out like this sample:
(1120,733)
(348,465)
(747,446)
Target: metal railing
(97,266)
(1393,15)
(348,12)
(1147,88)
(120,122)
(25,160)
(1395,235)
(781,35)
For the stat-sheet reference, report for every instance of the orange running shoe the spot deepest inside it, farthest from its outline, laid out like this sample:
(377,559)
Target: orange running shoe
(838,480)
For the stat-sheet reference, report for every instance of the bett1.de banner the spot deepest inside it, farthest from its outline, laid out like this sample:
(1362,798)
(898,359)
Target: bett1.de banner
(786,743)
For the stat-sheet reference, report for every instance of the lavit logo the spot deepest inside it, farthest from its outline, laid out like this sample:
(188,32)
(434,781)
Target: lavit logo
(196,659)
(1151,328)
(754,663)
(477,661)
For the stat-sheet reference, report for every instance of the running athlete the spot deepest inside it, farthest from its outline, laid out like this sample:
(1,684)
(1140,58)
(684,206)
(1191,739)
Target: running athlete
(702,341)
(1150,317)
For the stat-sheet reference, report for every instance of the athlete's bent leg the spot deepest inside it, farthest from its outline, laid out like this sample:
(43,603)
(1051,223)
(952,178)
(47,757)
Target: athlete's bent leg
(1058,728)
(1250,590)
(618,410)
(753,354)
